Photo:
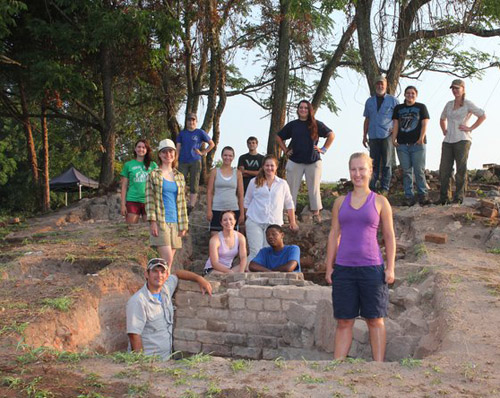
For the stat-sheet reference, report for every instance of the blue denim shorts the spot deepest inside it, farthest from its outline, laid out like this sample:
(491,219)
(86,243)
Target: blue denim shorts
(359,291)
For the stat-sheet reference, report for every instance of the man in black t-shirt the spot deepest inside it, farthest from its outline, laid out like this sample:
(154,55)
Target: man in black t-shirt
(250,163)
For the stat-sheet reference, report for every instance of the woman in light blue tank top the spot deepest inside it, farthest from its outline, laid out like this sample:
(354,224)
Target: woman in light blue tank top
(354,264)
(224,191)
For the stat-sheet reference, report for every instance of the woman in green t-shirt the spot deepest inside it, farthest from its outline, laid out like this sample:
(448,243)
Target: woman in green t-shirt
(133,183)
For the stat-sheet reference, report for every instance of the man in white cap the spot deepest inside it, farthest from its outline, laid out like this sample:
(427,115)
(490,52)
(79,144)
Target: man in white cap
(377,130)
(150,312)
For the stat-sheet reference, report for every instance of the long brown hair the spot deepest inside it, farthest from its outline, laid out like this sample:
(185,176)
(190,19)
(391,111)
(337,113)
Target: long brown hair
(312,125)
(147,156)
(261,175)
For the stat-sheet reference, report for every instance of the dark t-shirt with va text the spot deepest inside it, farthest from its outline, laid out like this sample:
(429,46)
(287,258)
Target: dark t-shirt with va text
(410,119)
(302,144)
(251,163)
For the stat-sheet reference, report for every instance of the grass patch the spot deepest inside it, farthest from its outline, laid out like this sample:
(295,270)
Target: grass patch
(240,365)
(93,380)
(190,394)
(420,250)
(308,379)
(213,390)
(14,327)
(418,276)
(138,390)
(493,289)
(410,363)
(62,304)
(11,382)
(280,363)
(495,250)
(132,357)
(354,360)
(195,360)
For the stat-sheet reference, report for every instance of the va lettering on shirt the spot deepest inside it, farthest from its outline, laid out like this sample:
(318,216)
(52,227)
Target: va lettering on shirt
(408,119)
(252,163)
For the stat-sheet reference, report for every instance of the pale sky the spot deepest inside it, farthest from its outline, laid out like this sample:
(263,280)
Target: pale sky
(242,118)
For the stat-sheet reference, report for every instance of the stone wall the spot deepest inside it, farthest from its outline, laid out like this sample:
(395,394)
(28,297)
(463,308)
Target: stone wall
(257,316)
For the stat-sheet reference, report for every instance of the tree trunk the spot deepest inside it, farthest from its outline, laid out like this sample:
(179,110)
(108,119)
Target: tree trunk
(108,135)
(332,65)
(30,142)
(365,42)
(45,187)
(280,89)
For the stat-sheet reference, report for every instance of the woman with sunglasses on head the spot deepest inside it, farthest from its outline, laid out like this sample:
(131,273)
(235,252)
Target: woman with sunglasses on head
(304,154)
(225,246)
(457,141)
(224,191)
(166,203)
(133,182)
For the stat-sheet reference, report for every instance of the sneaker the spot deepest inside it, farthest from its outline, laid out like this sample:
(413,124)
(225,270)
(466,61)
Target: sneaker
(423,200)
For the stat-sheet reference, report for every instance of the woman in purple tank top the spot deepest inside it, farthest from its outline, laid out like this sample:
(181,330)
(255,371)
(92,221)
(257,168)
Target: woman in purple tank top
(354,263)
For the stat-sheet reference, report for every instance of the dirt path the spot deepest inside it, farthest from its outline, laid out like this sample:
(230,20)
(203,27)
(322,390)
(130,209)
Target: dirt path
(82,261)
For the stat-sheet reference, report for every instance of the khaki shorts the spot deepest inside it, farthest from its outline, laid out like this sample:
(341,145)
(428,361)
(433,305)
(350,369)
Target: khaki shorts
(169,237)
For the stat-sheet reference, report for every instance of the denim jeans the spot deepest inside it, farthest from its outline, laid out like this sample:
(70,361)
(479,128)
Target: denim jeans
(412,160)
(456,152)
(381,153)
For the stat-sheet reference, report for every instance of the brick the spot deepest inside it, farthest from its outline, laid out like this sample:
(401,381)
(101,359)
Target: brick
(236,303)
(285,304)
(184,334)
(247,352)
(217,349)
(234,338)
(216,326)
(219,301)
(212,313)
(235,277)
(236,285)
(262,341)
(289,292)
(436,238)
(294,275)
(259,282)
(297,282)
(192,347)
(271,317)
(270,354)
(490,213)
(244,327)
(204,336)
(316,293)
(193,299)
(302,315)
(187,312)
(275,330)
(272,304)
(243,315)
(254,304)
(189,286)
(190,323)
(256,291)
(278,281)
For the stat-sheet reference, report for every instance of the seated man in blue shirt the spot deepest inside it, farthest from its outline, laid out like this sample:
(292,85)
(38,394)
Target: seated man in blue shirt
(277,257)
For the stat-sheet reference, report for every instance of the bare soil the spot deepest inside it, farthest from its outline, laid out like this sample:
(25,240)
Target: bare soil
(98,265)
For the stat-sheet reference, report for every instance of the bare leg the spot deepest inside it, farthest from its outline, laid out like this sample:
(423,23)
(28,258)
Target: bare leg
(376,327)
(343,338)
(167,253)
(132,218)
(192,199)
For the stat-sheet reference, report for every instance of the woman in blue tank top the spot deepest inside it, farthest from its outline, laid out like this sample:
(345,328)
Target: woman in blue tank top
(354,263)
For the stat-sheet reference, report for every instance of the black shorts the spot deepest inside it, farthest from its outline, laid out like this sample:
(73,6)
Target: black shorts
(359,291)
(215,223)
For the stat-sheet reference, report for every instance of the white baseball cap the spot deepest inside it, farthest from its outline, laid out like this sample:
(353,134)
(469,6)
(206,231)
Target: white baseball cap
(166,143)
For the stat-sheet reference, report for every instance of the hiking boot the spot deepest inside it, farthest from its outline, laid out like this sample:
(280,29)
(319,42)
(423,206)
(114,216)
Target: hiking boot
(409,201)
(442,202)
(457,201)
(423,200)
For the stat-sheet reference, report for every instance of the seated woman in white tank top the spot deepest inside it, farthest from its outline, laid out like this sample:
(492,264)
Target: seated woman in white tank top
(225,246)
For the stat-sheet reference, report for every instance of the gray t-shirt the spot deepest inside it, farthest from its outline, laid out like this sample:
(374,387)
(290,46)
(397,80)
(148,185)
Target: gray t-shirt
(225,192)
(153,320)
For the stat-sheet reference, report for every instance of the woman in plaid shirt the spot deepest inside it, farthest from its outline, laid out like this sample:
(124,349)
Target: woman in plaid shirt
(166,207)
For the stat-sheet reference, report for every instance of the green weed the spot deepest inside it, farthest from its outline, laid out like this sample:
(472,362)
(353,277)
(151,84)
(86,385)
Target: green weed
(91,395)
(213,390)
(332,365)
(308,379)
(65,356)
(32,391)
(410,362)
(240,365)
(93,380)
(128,374)
(418,276)
(15,306)
(420,250)
(11,381)
(195,360)
(14,327)
(280,363)
(354,360)
(138,390)
(62,304)
(495,250)
(190,394)
(133,357)
(69,258)
(469,371)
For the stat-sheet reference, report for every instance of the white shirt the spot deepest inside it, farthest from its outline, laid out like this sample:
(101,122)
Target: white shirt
(456,117)
(265,205)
